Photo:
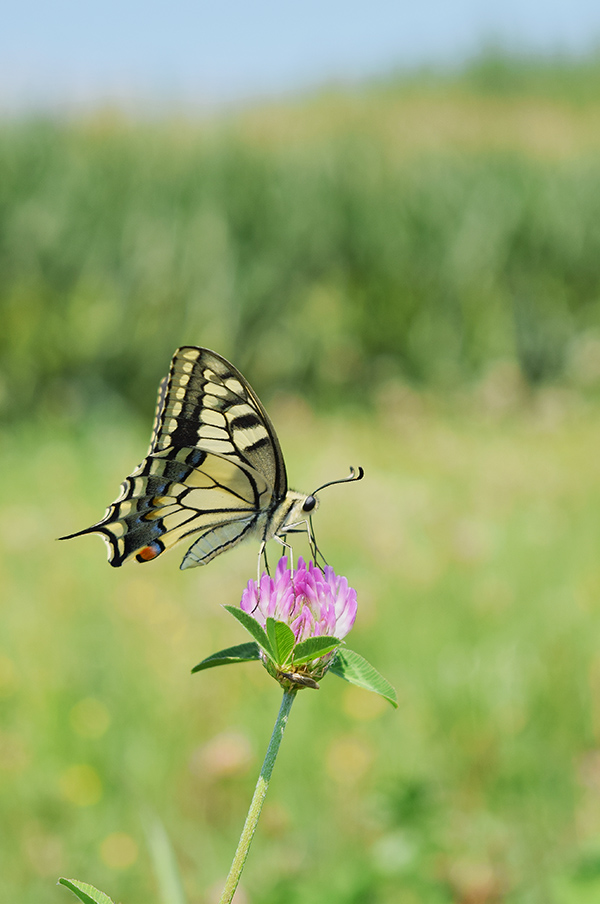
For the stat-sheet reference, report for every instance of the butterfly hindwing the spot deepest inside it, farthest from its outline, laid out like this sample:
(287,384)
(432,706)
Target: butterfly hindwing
(169,498)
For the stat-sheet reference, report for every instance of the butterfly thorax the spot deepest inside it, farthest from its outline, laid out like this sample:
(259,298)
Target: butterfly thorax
(290,513)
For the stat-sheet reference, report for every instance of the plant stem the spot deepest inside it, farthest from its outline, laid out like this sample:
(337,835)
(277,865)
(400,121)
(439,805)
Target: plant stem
(258,798)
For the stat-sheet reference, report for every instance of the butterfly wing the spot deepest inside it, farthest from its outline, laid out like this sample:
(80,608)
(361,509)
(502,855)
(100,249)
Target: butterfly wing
(206,403)
(214,471)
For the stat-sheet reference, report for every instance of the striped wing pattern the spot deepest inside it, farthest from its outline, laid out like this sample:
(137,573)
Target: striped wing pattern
(214,472)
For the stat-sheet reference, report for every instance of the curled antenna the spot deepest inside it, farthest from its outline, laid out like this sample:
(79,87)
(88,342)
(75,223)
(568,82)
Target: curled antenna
(308,506)
(311,502)
(352,476)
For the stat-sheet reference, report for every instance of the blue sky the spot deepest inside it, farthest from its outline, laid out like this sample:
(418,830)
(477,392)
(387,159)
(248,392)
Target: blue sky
(73,52)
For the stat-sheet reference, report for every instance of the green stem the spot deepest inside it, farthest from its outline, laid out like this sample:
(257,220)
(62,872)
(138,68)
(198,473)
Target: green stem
(258,798)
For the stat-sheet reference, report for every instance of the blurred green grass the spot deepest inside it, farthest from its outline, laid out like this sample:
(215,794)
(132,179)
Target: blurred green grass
(420,261)
(473,546)
(400,232)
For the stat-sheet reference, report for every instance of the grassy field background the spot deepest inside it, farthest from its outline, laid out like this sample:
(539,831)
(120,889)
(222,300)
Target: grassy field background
(399,233)
(409,275)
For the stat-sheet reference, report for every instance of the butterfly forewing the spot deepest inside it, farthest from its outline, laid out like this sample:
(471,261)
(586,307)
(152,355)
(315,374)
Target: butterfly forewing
(214,470)
(208,404)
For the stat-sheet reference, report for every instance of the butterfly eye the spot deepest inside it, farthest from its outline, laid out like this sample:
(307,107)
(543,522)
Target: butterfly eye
(309,504)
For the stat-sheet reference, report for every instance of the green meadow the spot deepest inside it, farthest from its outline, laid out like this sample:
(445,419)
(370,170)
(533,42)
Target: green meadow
(408,275)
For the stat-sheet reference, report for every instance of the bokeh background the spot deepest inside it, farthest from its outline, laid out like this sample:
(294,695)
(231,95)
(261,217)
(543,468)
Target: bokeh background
(389,219)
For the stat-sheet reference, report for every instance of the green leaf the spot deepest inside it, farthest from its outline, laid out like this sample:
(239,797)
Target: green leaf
(252,627)
(272,635)
(353,668)
(86,893)
(285,641)
(282,638)
(313,648)
(243,652)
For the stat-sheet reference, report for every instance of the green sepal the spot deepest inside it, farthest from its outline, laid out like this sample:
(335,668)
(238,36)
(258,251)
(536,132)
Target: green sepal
(252,627)
(243,652)
(282,640)
(353,668)
(86,893)
(314,648)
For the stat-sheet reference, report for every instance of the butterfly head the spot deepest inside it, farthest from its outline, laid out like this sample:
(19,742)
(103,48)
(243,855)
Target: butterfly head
(310,504)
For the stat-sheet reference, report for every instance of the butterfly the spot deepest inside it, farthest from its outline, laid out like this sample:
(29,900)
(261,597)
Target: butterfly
(214,472)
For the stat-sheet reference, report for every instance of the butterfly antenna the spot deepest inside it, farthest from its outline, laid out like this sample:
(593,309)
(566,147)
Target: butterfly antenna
(354,475)
(315,551)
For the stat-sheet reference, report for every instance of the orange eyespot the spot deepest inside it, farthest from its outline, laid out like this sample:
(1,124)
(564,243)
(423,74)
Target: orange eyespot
(149,552)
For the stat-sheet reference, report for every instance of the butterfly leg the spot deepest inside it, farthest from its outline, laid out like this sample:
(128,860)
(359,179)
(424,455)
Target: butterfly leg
(300,527)
(313,545)
(288,547)
(267,569)
(262,554)
(307,526)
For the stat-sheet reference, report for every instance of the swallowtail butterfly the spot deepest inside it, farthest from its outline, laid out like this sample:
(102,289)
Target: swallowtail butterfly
(214,472)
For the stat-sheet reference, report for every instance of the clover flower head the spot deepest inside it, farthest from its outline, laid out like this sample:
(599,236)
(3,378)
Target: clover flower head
(312,602)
